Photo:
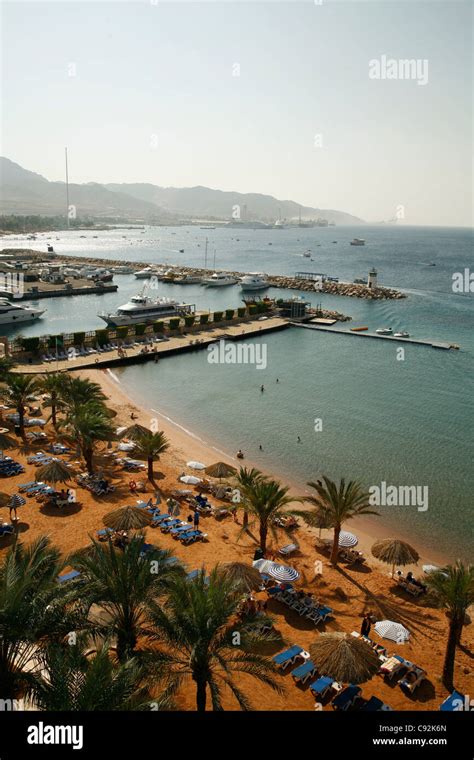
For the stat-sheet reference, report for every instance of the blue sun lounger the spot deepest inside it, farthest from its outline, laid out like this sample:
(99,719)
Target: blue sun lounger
(176,532)
(190,537)
(288,657)
(68,577)
(454,703)
(167,526)
(346,698)
(321,687)
(6,529)
(304,672)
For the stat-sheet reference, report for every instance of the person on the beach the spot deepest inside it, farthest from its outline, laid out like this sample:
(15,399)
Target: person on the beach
(133,416)
(260,447)
(196,519)
(366,625)
(239,454)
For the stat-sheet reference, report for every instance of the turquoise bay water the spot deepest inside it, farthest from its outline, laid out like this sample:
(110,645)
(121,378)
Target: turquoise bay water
(403,422)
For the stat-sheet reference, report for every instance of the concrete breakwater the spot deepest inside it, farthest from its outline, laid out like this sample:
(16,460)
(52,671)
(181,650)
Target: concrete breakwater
(348,289)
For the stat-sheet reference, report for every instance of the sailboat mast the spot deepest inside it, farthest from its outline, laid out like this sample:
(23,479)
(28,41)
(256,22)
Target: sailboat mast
(67,190)
(205,255)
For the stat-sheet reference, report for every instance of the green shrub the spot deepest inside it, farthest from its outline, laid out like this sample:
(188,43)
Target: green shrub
(140,329)
(79,338)
(204,319)
(174,323)
(30,344)
(189,320)
(229,313)
(217,317)
(253,308)
(102,336)
(56,340)
(122,331)
(241,311)
(158,327)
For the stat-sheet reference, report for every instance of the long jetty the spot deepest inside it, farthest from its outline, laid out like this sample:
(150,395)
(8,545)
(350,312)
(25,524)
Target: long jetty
(413,341)
(161,349)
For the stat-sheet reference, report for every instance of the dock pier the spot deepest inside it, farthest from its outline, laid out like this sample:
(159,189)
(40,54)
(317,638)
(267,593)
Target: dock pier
(412,341)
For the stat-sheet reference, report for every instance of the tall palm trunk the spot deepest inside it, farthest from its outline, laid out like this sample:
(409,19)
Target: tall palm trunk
(201,694)
(126,643)
(263,536)
(53,410)
(450,656)
(245,519)
(88,458)
(150,468)
(335,546)
(21,419)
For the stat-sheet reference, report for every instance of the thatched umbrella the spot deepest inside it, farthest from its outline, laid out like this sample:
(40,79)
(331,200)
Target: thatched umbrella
(134,431)
(244,577)
(56,471)
(4,499)
(6,441)
(220,470)
(394,552)
(344,657)
(127,518)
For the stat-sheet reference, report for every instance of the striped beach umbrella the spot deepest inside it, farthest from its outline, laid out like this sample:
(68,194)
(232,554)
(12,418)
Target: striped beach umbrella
(393,631)
(283,573)
(347,540)
(196,465)
(17,500)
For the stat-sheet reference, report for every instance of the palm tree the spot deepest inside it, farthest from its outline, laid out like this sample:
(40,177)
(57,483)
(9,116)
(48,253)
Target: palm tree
(77,391)
(16,390)
(454,588)
(266,500)
(245,478)
(123,584)
(68,679)
(338,504)
(87,425)
(34,609)
(53,384)
(149,446)
(197,637)
(6,363)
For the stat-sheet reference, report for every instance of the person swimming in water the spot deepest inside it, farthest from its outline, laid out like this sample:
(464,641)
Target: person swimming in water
(262,388)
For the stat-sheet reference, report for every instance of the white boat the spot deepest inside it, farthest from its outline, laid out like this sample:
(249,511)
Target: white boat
(122,269)
(146,273)
(358,241)
(11,313)
(189,279)
(218,279)
(401,334)
(254,281)
(307,254)
(384,331)
(142,308)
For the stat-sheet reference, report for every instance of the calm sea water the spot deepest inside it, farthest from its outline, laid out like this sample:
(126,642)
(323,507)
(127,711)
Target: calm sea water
(403,422)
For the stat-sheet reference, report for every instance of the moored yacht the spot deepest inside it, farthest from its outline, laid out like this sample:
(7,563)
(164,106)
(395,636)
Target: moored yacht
(254,281)
(401,334)
(141,308)
(11,313)
(218,279)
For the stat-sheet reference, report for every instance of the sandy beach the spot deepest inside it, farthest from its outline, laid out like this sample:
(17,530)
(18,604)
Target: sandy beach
(350,592)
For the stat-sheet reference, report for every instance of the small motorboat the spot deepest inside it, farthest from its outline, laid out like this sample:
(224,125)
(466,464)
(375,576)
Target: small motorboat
(401,334)
(384,331)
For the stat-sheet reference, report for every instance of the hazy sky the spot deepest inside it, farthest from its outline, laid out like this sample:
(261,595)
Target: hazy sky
(148,92)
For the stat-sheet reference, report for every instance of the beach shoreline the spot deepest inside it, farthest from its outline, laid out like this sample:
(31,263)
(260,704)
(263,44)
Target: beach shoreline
(187,445)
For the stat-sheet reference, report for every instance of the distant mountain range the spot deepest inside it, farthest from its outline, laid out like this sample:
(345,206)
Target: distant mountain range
(24,192)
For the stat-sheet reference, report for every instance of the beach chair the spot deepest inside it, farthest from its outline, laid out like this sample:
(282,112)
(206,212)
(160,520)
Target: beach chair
(104,533)
(180,530)
(412,679)
(285,551)
(25,486)
(6,529)
(68,577)
(191,537)
(168,525)
(347,698)
(304,672)
(454,703)
(321,687)
(288,657)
